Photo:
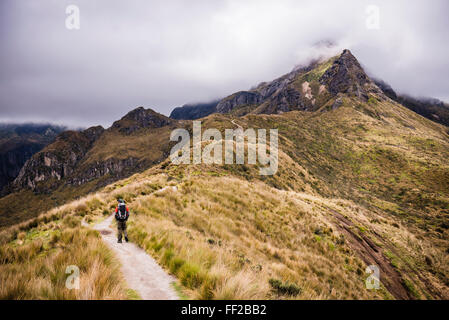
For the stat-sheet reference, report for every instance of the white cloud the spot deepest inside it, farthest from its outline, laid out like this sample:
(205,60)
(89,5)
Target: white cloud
(162,54)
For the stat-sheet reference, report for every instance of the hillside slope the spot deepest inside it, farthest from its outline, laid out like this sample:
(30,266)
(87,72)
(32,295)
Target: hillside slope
(338,203)
(430,108)
(362,180)
(80,162)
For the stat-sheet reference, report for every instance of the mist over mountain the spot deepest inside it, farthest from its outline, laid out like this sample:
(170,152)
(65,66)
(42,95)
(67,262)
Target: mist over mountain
(281,95)
(172,54)
(362,180)
(431,108)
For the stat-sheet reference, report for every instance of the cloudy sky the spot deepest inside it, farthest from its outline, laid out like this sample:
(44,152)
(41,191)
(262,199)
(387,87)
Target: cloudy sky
(163,54)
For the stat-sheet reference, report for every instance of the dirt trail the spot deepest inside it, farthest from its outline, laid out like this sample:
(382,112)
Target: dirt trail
(236,124)
(141,271)
(371,253)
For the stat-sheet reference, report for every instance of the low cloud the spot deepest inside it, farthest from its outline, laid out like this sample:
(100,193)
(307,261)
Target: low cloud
(162,54)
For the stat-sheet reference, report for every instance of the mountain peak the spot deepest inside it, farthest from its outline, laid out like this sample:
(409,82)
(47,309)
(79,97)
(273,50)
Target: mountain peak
(141,118)
(306,88)
(346,75)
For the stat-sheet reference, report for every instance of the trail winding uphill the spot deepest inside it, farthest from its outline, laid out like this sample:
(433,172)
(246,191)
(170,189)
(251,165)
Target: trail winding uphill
(141,271)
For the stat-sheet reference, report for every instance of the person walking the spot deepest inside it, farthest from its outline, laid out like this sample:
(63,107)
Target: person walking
(122,215)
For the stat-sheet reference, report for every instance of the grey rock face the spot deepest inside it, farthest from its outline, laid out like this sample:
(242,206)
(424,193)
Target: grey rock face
(12,161)
(194,111)
(347,76)
(337,103)
(58,161)
(239,99)
(62,162)
(18,143)
(112,167)
(287,100)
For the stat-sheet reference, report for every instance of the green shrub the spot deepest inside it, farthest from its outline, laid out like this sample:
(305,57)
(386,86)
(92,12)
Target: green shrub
(372,100)
(411,288)
(168,255)
(286,288)
(190,275)
(176,264)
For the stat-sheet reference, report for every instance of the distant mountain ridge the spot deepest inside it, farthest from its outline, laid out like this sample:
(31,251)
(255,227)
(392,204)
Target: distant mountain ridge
(306,88)
(72,158)
(80,162)
(194,111)
(361,181)
(430,108)
(18,142)
(309,88)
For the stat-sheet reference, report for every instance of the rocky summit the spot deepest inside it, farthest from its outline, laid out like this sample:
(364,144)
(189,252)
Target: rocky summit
(308,88)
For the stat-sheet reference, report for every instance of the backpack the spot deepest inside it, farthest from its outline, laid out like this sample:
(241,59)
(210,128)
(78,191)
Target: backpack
(122,213)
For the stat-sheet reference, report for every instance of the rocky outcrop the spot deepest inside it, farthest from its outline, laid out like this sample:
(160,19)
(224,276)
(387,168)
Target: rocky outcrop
(112,167)
(310,87)
(306,88)
(286,100)
(348,77)
(194,111)
(18,143)
(71,158)
(12,160)
(279,96)
(242,98)
(140,118)
(58,160)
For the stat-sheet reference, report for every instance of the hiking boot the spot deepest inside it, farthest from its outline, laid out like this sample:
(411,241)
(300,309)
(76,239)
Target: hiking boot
(126,239)
(119,241)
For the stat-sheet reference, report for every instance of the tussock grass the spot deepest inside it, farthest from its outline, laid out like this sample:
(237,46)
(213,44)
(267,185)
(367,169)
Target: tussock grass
(225,238)
(226,231)
(34,256)
(36,269)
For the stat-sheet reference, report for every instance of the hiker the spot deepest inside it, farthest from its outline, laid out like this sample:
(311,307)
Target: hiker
(121,215)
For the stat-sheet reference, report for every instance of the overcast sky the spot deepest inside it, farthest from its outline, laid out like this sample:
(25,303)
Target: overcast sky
(163,54)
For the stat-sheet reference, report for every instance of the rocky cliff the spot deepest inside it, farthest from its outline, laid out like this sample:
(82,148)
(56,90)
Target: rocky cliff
(76,158)
(307,88)
(58,160)
(18,143)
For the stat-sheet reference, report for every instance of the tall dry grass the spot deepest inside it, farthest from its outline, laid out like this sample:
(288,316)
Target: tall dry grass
(33,263)
(225,238)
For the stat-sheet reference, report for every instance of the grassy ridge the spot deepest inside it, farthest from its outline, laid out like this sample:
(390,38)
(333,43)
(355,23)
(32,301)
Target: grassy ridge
(372,173)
